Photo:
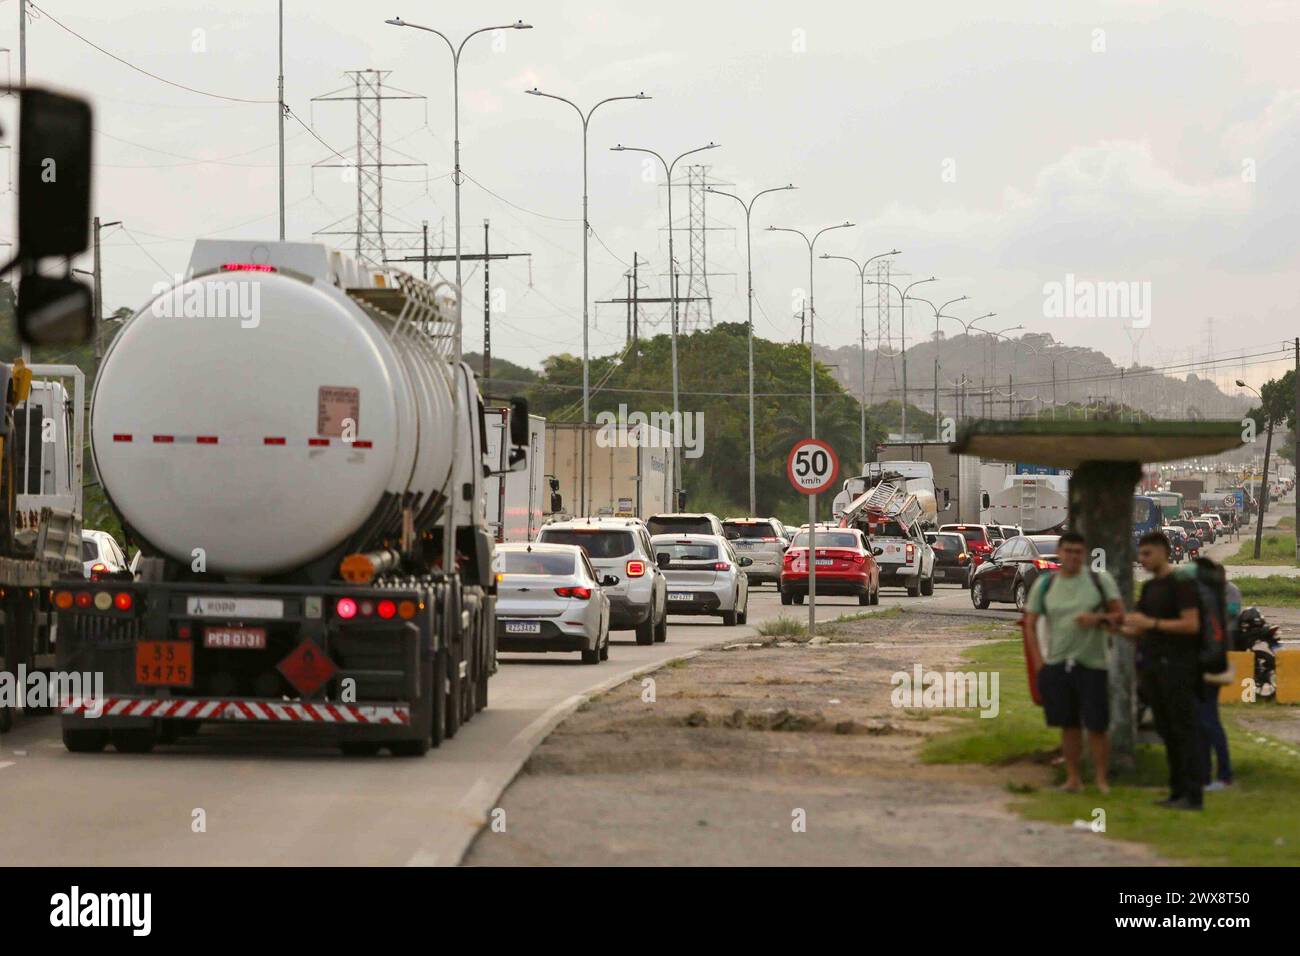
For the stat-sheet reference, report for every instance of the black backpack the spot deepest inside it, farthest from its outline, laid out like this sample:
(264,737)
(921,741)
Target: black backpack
(1209,579)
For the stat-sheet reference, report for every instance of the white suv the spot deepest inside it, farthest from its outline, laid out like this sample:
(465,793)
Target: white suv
(621,547)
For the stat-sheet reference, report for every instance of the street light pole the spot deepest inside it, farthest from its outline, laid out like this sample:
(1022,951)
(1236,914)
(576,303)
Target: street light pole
(902,312)
(586,229)
(937,312)
(749,266)
(672,296)
(812,313)
(1263,479)
(862,340)
(456,177)
(449,524)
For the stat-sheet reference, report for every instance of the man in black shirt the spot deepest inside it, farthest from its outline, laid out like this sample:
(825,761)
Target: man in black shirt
(1167,626)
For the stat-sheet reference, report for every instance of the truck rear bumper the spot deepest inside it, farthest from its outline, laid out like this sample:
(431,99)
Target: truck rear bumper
(119,711)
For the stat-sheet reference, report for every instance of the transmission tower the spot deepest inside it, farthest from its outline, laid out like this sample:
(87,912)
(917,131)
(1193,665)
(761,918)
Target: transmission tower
(696,304)
(370,238)
(884,338)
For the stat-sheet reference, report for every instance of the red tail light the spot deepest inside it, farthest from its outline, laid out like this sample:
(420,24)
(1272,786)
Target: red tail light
(580,593)
(122,601)
(83,599)
(635,569)
(346,608)
(97,569)
(1042,565)
(911,551)
(721,566)
(387,608)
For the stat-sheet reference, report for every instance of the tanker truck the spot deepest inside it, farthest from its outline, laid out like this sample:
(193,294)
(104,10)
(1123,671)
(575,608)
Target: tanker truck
(288,438)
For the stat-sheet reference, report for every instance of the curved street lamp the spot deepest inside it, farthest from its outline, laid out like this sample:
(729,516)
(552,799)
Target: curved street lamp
(862,333)
(672,294)
(586,229)
(902,314)
(749,266)
(812,312)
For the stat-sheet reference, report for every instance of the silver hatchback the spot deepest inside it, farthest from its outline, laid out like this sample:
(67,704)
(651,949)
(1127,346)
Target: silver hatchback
(763,541)
(705,576)
(550,598)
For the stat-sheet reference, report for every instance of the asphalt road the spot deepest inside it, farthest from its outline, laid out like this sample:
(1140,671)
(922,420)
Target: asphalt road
(281,798)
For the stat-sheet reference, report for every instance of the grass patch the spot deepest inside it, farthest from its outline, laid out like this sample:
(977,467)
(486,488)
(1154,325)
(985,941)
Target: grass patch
(1286,521)
(1276,548)
(1256,823)
(1275,590)
(783,627)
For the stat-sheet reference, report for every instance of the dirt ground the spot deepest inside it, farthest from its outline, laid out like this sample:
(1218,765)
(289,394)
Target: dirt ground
(740,745)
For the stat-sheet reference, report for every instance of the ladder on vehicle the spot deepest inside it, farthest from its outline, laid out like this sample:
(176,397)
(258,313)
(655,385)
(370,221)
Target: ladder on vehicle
(888,498)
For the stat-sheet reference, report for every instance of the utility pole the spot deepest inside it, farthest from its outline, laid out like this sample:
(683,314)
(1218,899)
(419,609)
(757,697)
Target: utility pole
(1263,483)
(938,429)
(1010,410)
(1295,431)
(281,117)
(486,257)
(97,293)
(424,228)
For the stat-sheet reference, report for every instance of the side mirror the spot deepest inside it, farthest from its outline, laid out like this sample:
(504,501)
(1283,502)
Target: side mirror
(608,581)
(54,175)
(53,310)
(557,502)
(663,560)
(518,459)
(746,562)
(947,499)
(519,421)
(984,499)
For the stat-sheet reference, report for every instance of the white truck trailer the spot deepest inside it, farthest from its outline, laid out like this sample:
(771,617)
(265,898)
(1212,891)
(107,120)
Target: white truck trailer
(616,470)
(288,438)
(515,502)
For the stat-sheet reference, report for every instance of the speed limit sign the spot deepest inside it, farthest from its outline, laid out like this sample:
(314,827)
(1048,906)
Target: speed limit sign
(812,466)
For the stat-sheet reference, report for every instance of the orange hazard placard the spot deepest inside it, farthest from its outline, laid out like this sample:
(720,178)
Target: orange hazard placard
(338,411)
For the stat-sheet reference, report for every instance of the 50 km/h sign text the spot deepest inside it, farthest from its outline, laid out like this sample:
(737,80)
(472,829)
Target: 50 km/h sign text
(812,466)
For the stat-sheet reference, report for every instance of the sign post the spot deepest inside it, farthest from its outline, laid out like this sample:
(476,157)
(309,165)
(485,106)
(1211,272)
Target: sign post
(812,467)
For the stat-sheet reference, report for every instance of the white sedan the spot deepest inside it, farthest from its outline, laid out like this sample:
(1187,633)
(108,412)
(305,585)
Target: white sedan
(550,598)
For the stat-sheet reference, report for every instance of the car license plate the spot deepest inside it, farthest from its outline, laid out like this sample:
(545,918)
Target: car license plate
(164,663)
(681,596)
(218,606)
(523,627)
(235,638)
(825,562)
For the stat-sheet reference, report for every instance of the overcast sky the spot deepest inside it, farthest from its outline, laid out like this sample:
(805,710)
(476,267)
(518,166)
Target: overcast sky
(1001,146)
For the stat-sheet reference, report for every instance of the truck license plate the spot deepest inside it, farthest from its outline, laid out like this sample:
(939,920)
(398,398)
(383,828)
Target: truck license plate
(164,663)
(218,606)
(523,627)
(235,638)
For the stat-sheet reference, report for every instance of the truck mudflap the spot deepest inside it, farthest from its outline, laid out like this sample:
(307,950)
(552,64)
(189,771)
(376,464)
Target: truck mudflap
(233,709)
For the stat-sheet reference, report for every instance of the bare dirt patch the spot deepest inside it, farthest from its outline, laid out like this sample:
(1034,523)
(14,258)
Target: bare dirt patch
(739,745)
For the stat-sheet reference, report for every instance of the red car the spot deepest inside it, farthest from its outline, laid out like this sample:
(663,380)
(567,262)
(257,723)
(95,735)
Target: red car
(846,564)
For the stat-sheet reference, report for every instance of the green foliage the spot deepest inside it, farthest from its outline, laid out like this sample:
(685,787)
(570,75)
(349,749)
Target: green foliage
(713,380)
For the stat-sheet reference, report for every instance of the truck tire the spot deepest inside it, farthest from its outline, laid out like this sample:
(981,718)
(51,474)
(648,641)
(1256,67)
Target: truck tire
(85,741)
(645,633)
(453,702)
(914,588)
(361,748)
(134,740)
(927,586)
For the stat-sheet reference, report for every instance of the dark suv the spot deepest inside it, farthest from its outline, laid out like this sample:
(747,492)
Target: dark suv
(952,562)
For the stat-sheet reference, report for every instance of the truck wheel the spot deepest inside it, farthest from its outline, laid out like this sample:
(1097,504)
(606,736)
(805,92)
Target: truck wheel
(914,588)
(927,586)
(362,748)
(481,688)
(661,630)
(85,741)
(645,633)
(133,741)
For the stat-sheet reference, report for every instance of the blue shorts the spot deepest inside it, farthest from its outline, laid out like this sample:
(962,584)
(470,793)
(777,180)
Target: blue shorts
(1075,696)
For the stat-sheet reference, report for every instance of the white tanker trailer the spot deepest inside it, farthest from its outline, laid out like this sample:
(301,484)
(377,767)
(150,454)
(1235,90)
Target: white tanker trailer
(287,437)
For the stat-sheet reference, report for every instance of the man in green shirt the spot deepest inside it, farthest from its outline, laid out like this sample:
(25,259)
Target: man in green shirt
(1079,606)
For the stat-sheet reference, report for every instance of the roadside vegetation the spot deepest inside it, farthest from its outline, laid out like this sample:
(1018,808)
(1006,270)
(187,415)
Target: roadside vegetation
(1255,823)
(1276,549)
(1276,590)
